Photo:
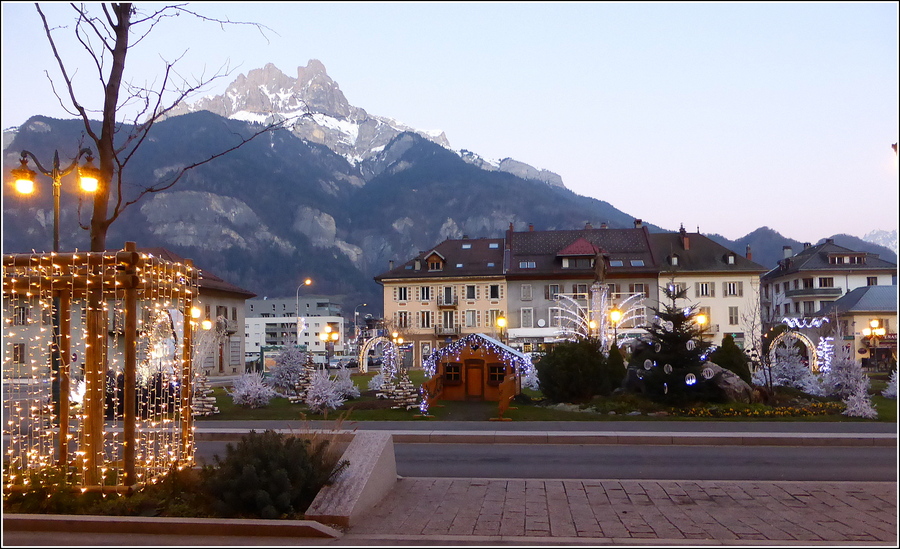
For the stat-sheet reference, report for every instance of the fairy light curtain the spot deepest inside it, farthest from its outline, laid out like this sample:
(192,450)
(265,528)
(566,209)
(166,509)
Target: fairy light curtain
(97,367)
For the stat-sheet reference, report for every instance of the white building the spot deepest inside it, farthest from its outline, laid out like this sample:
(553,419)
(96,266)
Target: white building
(268,334)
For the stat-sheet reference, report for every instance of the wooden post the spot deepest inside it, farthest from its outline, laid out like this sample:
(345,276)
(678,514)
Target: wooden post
(187,370)
(130,380)
(65,353)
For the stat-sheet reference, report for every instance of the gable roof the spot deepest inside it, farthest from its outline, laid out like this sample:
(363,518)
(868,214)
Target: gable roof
(545,248)
(865,299)
(702,254)
(462,257)
(816,258)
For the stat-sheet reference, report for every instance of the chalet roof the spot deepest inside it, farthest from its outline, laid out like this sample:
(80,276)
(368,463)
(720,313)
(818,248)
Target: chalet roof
(462,257)
(865,299)
(702,254)
(816,258)
(470,339)
(544,249)
(207,279)
(580,247)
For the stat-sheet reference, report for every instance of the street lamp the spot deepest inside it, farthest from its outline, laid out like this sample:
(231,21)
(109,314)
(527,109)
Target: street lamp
(306,282)
(615,315)
(873,332)
(702,320)
(356,325)
(501,323)
(330,338)
(24,178)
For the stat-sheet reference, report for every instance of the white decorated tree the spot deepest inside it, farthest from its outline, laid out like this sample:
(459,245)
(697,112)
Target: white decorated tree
(345,385)
(250,390)
(323,394)
(290,365)
(844,376)
(891,390)
(859,403)
(789,370)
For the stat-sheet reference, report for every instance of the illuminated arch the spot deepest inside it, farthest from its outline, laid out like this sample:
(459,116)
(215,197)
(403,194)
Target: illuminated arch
(810,348)
(371,344)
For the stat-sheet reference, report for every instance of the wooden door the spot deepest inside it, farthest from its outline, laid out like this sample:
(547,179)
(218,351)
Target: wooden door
(475,380)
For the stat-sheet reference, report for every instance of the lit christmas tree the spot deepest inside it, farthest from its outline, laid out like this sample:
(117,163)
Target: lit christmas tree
(891,390)
(670,366)
(322,394)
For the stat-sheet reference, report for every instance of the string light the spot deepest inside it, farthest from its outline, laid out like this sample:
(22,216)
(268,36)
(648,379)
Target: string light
(95,447)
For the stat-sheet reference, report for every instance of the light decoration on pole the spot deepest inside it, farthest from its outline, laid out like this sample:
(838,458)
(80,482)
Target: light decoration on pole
(133,422)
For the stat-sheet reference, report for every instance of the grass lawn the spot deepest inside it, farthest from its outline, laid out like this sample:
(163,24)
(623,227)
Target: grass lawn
(531,408)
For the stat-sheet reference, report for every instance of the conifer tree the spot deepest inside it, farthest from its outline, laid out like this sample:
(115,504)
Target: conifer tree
(671,366)
(729,356)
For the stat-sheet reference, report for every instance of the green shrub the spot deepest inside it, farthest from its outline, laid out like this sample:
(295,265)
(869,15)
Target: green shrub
(270,475)
(731,357)
(577,371)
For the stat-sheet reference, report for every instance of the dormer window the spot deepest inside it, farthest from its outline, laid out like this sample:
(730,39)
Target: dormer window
(730,259)
(435,265)
(673,260)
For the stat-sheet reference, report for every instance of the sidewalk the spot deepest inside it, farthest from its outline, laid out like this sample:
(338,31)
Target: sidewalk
(519,512)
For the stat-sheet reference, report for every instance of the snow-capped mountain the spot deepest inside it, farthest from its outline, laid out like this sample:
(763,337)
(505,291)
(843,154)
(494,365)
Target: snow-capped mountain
(267,94)
(888,239)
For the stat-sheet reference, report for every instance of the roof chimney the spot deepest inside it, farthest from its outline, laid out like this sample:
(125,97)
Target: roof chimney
(531,226)
(511,226)
(787,251)
(391,265)
(588,226)
(749,253)
(604,225)
(685,241)
(418,265)
(806,245)
(638,223)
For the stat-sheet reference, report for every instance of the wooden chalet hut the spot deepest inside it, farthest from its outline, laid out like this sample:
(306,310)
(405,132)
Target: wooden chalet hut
(473,367)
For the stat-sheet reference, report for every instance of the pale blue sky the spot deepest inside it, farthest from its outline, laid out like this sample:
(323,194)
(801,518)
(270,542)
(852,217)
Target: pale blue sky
(724,116)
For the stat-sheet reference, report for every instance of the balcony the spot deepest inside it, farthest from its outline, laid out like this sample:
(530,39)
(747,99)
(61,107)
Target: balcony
(444,331)
(444,303)
(814,292)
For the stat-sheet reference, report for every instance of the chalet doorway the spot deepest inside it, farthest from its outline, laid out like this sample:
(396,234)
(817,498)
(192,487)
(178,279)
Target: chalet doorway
(474,379)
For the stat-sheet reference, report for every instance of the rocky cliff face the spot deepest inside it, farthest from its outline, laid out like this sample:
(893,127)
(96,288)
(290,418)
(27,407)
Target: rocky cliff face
(324,116)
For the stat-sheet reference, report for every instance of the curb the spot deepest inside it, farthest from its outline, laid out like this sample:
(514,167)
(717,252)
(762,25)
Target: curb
(596,437)
(170,525)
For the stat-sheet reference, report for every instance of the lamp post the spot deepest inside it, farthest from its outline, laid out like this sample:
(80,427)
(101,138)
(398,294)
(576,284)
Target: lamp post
(89,177)
(873,332)
(615,315)
(329,337)
(356,325)
(306,282)
(501,323)
(702,320)
(24,179)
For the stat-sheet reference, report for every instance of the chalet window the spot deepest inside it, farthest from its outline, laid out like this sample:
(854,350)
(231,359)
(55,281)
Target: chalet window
(494,291)
(435,265)
(826,282)
(527,317)
(551,291)
(403,319)
(425,319)
(18,353)
(20,315)
(733,289)
(526,293)
(470,318)
(452,372)
(496,373)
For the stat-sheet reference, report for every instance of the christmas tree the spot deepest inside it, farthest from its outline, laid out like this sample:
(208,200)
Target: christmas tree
(670,365)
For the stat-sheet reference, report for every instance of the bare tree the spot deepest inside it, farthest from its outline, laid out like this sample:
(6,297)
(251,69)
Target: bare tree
(128,112)
(760,315)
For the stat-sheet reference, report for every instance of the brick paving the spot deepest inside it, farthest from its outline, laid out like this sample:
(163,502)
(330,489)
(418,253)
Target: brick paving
(498,511)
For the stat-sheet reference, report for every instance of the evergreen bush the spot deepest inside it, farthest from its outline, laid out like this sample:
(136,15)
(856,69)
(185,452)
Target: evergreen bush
(270,475)
(576,371)
(729,356)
